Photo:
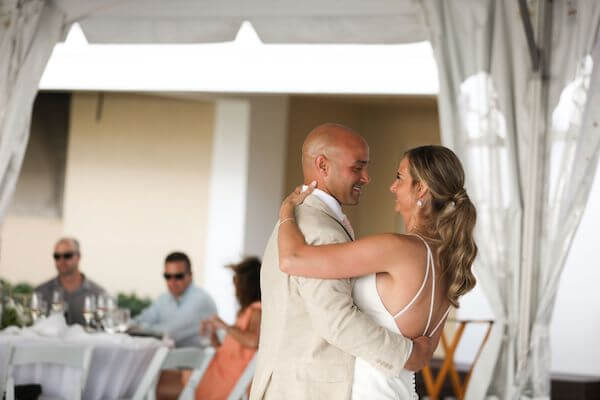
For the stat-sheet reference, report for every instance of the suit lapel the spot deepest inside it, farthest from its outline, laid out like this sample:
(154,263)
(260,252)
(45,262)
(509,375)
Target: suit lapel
(315,202)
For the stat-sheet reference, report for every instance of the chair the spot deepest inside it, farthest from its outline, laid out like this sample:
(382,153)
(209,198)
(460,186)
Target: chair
(4,369)
(71,356)
(192,358)
(241,386)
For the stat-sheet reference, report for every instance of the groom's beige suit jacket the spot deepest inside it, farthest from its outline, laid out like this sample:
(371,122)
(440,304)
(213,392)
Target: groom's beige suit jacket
(311,331)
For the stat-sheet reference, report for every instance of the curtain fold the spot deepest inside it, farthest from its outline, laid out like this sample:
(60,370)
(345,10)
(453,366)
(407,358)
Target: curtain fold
(572,147)
(29,29)
(490,104)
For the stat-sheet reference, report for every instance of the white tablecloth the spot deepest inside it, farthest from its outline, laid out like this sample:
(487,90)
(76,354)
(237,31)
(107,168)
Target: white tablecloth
(117,366)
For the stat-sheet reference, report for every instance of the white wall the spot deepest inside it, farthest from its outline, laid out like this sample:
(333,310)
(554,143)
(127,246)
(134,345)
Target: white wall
(575,326)
(136,186)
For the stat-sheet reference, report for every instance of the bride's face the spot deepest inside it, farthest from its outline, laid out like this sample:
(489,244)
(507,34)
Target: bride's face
(403,189)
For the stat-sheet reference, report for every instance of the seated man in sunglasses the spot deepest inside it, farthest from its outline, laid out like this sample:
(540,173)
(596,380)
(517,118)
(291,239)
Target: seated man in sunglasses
(179,312)
(71,285)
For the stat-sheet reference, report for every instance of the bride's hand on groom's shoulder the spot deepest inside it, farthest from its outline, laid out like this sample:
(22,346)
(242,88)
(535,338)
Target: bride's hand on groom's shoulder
(294,199)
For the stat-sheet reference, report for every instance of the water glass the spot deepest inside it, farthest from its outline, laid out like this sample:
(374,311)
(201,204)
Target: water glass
(110,323)
(123,319)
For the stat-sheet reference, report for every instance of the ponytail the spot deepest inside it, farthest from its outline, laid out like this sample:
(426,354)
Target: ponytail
(450,219)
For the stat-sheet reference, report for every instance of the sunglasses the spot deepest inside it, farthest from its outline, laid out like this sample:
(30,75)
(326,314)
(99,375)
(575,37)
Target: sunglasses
(66,256)
(179,276)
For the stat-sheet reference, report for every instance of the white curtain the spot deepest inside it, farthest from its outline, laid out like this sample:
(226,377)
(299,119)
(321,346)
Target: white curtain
(29,29)
(491,105)
(571,151)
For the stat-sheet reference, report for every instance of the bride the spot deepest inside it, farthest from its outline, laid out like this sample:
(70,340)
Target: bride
(405,282)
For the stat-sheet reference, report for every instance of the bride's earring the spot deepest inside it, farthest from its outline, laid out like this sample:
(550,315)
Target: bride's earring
(420,203)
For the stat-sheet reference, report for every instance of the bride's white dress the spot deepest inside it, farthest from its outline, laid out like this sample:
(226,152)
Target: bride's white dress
(369,382)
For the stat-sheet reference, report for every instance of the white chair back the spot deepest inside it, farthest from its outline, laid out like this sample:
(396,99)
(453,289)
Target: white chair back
(148,382)
(71,356)
(240,389)
(4,368)
(191,358)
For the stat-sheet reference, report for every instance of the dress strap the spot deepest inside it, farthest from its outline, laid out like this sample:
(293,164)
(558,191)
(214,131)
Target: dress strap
(430,263)
(406,307)
(440,321)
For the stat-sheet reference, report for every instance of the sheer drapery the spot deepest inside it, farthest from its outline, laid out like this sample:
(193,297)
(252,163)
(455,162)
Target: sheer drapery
(29,29)
(572,146)
(491,112)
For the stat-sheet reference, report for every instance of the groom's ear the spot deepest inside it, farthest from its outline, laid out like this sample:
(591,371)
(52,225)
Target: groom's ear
(321,163)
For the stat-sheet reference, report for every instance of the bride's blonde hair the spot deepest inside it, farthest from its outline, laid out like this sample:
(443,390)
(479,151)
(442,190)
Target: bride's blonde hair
(450,218)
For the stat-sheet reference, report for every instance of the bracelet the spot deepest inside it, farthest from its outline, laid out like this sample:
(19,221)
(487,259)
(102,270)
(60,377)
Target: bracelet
(283,221)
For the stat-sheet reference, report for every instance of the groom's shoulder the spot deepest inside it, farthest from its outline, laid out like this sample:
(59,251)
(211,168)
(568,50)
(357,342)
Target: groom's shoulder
(318,226)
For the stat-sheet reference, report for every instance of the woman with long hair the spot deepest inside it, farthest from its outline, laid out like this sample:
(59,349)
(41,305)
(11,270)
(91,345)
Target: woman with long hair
(406,282)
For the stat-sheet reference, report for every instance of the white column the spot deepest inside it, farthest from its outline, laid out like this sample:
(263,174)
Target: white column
(227,201)
(266,171)
(246,187)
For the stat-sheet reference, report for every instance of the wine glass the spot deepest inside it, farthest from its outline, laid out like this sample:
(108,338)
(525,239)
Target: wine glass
(35,306)
(58,303)
(43,308)
(89,309)
(100,308)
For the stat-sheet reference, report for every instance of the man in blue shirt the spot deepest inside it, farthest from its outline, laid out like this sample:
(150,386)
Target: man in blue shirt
(179,312)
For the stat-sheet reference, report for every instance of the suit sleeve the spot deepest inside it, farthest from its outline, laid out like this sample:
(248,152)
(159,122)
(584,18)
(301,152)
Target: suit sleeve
(337,319)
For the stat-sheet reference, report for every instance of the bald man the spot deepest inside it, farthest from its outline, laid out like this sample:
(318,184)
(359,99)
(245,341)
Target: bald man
(311,331)
(73,284)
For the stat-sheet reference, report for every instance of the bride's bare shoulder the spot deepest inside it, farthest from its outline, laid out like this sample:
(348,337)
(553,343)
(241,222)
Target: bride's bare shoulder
(407,246)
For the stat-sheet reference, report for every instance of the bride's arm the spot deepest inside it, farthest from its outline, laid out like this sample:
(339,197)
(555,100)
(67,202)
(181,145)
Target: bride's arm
(334,261)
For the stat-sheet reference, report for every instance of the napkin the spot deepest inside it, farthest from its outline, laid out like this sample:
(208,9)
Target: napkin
(53,326)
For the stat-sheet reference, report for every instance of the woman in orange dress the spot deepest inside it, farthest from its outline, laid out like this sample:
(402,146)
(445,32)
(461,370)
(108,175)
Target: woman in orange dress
(241,342)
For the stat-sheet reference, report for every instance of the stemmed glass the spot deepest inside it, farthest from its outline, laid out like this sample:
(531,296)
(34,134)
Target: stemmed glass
(35,306)
(89,309)
(104,308)
(58,303)
(100,308)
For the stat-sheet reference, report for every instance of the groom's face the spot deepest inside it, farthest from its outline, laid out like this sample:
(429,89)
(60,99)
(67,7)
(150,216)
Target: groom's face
(348,171)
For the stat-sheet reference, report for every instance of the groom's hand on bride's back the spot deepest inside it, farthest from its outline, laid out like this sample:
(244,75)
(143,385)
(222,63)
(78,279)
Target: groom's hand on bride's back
(422,352)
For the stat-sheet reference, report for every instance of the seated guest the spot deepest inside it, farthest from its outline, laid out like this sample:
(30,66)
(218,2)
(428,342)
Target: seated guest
(241,341)
(178,312)
(70,282)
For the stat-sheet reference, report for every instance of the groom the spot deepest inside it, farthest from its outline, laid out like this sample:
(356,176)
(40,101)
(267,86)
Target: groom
(311,331)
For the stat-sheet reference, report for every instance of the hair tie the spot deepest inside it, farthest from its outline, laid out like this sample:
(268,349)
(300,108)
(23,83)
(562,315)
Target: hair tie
(459,196)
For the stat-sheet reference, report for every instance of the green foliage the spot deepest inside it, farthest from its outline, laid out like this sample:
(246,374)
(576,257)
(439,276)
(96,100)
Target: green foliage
(21,288)
(12,299)
(134,303)
(10,317)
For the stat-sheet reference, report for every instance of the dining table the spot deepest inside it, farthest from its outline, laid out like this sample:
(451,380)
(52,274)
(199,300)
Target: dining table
(118,361)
